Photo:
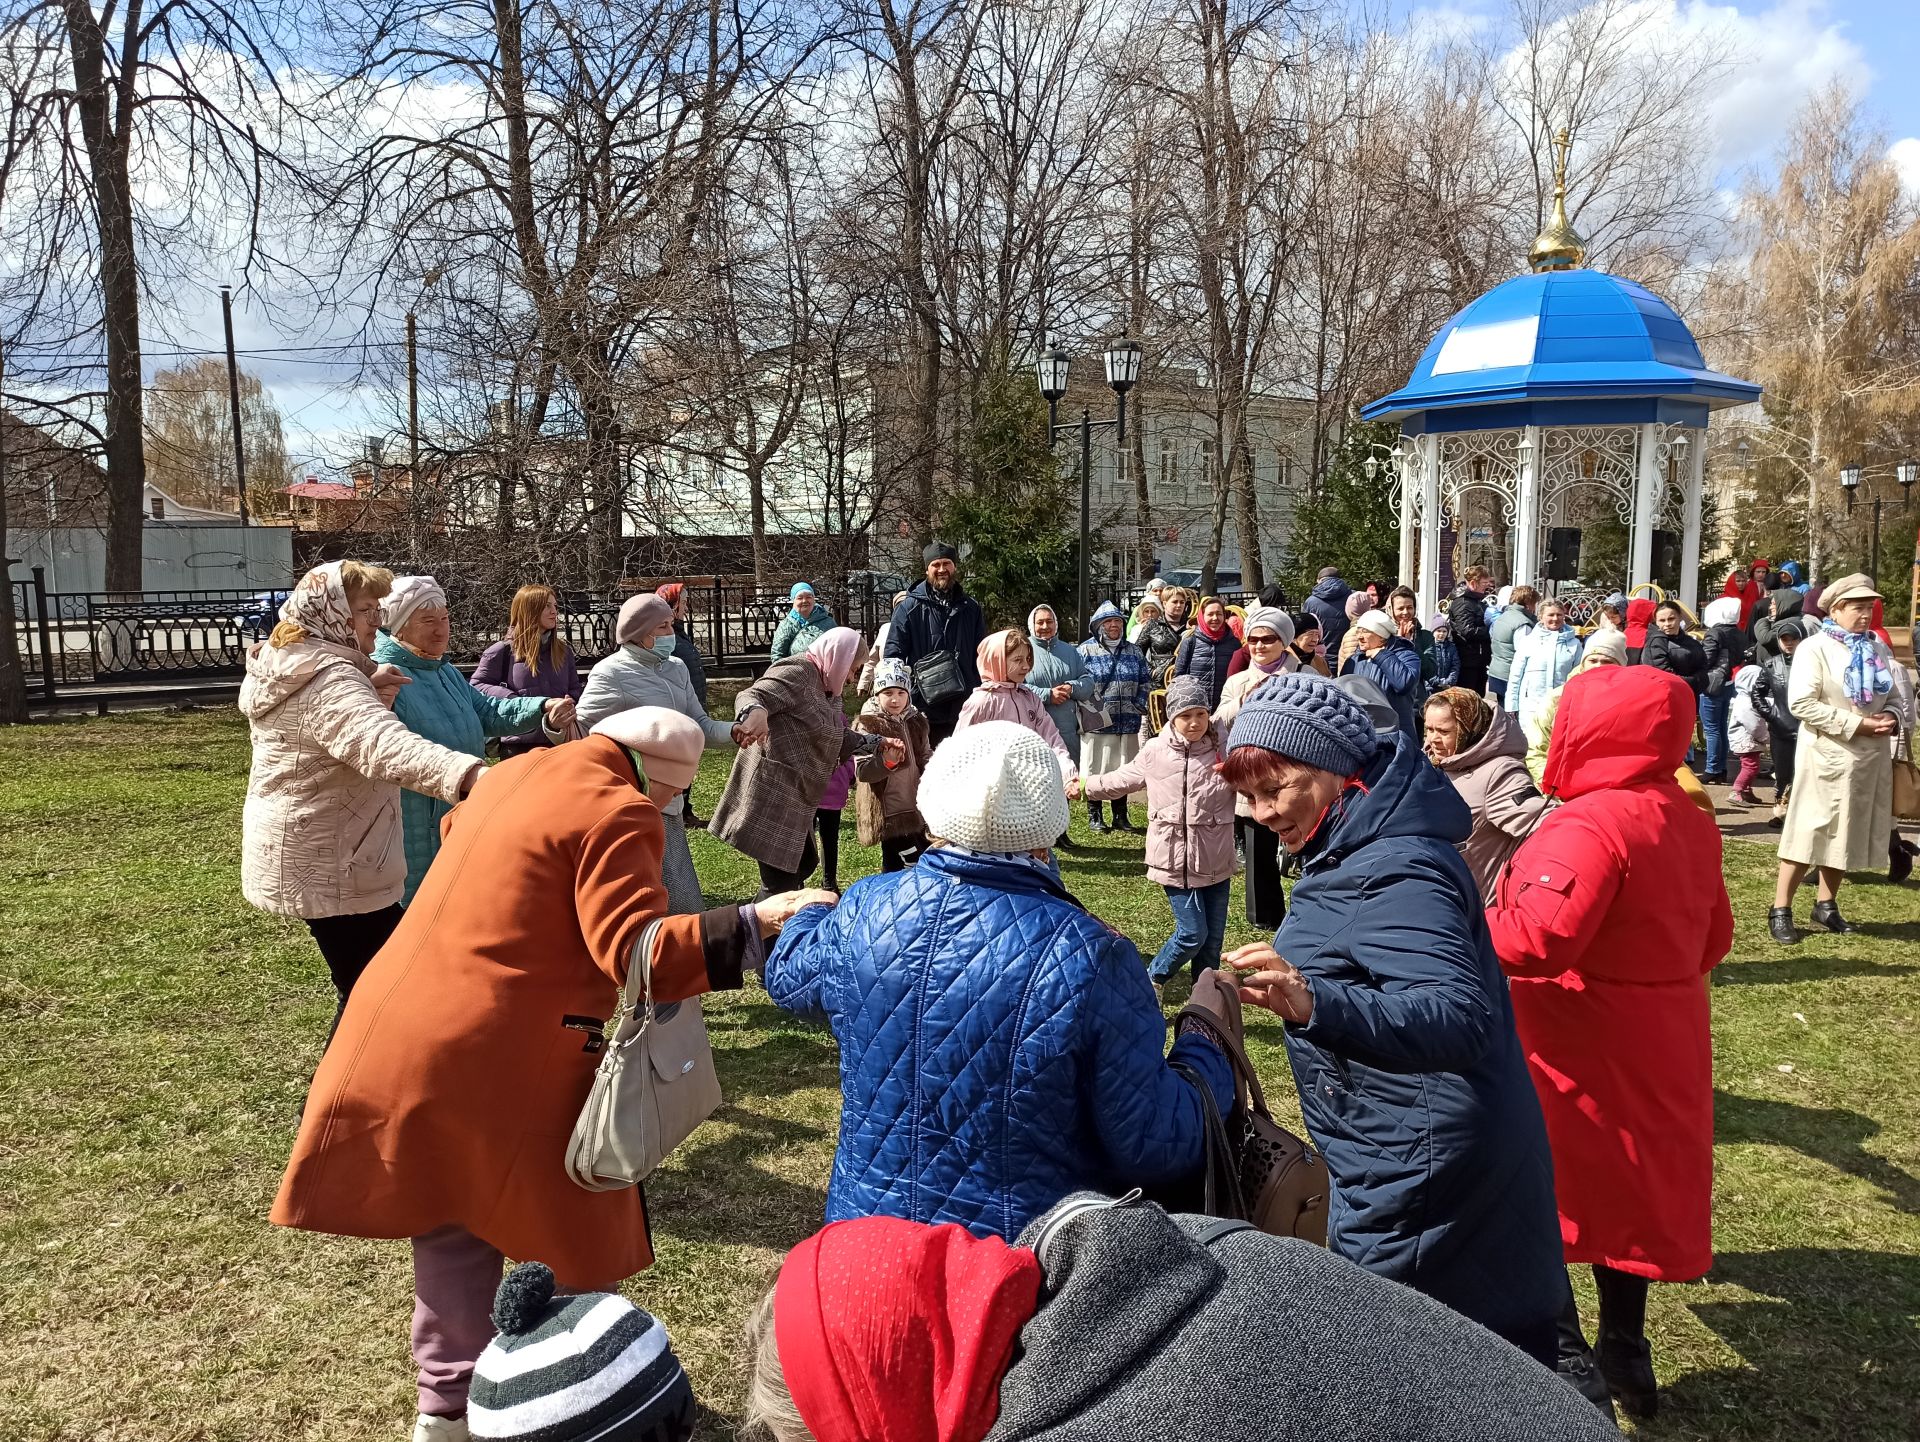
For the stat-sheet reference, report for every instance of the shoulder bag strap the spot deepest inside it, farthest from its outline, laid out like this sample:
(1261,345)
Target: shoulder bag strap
(639,964)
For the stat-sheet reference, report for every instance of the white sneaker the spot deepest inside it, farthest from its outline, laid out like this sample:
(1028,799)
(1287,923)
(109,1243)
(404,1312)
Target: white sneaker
(439,1429)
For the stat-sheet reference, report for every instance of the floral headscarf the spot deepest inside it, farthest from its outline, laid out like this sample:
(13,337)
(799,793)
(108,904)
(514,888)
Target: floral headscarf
(1470,712)
(319,605)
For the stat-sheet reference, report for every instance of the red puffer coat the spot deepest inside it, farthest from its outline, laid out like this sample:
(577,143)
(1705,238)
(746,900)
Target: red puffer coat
(1606,921)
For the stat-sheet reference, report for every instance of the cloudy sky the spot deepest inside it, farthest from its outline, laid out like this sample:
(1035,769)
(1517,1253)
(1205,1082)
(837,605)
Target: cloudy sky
(1786,51)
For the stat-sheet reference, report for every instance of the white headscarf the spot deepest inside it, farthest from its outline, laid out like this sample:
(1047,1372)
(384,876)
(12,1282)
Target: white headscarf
(410,594)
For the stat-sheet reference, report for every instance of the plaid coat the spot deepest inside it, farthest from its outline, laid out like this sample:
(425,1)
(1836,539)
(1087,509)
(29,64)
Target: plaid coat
(767,809)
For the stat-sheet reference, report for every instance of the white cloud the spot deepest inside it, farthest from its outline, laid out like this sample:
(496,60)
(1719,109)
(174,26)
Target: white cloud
(1905,155)
(1781,57)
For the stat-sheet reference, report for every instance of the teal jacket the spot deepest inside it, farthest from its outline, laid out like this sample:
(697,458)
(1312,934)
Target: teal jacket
(442,706)
(792,635)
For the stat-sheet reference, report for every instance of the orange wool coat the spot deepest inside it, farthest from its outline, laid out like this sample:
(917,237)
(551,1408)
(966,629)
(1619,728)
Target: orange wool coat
(467,1048)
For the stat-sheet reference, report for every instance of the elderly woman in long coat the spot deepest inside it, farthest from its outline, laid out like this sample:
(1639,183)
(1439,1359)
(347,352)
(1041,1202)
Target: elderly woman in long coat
(1606,921)
(1059,675)
(1398,1024)
(793,735)
(1840,812)
(442,1111)
(647,671)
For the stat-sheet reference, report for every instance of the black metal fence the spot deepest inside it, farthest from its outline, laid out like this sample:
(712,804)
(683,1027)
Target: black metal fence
(98,640)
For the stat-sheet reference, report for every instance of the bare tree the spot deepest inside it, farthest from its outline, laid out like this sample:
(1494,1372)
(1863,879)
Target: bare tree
(151,136)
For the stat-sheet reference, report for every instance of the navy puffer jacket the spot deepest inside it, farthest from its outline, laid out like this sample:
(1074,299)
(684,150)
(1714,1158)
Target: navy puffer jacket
(999,1046)
(1200,655)
(1411,1076)
(1327,603)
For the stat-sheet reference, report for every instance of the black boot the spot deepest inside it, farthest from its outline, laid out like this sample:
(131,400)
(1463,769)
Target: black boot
(1121,821)
(1625,1358)
(1826,916)
(1899,859)
(1780,925)
(1096,816)
(1576,1362)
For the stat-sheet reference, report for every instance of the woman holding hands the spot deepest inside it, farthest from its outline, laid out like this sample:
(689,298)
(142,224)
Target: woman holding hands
(1399,1027)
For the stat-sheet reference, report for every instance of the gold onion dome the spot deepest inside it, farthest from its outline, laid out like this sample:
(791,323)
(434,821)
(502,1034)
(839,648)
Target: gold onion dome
(1559,246)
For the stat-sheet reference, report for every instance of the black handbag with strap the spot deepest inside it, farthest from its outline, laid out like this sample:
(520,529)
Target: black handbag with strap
(937,675)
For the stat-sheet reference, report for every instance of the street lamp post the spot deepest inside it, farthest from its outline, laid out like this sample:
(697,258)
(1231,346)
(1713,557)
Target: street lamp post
(1123,370)
(1906,472)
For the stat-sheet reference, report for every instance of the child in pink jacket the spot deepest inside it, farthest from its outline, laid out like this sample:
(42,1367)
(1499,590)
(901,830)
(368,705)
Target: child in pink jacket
(1006,657)
(1189,826)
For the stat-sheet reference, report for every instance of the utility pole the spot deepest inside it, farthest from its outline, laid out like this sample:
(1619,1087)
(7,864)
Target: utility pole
(413,440)
(233,398)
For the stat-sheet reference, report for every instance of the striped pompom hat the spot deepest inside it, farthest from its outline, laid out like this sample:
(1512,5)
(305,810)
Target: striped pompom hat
(569,1369)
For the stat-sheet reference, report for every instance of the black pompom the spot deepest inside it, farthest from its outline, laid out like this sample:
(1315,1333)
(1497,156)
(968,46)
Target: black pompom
(522,1297)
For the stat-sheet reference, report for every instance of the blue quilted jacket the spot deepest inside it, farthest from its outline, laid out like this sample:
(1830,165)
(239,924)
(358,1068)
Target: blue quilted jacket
(1410,1074)
(999,1046)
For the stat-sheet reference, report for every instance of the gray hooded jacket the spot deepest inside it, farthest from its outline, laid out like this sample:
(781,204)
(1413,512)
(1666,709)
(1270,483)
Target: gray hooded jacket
(1147,1333)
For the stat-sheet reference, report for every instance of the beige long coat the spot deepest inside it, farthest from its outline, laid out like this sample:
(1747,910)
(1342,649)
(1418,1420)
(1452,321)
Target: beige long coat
(1841,809)
(320,832)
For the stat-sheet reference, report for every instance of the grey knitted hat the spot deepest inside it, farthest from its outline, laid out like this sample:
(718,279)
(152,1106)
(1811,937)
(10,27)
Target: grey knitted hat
(591,1367)
(1184,693)
(1309,719)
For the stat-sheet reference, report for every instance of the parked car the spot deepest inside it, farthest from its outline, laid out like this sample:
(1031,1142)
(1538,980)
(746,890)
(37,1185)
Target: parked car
(1223,580)
(259,616)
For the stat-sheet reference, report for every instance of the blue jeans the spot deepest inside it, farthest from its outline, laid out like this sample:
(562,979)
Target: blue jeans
(1199,929)
(1713,726)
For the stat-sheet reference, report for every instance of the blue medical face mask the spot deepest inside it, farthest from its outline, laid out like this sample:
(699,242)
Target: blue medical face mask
(663,646)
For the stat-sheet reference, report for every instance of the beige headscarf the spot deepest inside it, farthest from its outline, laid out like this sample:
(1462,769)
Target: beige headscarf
(318,605)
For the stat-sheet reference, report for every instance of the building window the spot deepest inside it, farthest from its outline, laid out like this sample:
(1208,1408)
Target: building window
(1166,469)
(1205,481)
(159,509)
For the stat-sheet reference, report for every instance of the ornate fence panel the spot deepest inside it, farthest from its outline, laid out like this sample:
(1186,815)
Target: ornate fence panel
(158,635)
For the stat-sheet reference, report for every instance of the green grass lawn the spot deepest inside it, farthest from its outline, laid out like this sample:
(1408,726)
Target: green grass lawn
(156,1035)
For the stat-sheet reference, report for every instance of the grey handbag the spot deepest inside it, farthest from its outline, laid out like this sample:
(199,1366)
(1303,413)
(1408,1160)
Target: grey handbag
(654,1086)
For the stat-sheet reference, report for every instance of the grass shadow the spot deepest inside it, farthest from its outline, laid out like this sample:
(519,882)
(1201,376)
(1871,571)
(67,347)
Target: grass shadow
(1827,1134)
(718,1193)
(1803,968)
(1828,1343)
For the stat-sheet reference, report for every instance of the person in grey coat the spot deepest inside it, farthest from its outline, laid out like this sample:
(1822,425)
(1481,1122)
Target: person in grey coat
(1114,1319)
(646,672)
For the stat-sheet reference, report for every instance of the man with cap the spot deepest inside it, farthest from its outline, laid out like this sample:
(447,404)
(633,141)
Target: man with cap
(939,625)
(1000,1047)
(1399,1027)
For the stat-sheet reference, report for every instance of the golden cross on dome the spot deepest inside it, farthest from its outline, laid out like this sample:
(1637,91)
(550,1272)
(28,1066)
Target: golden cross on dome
(1559,246)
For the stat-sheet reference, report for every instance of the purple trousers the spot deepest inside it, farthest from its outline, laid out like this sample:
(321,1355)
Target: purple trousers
(455,1275)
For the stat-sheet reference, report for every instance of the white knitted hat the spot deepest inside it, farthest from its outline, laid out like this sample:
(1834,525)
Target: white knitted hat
(995,787)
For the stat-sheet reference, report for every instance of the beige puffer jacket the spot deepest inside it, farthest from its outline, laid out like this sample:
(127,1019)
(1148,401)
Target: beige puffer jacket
(320,834)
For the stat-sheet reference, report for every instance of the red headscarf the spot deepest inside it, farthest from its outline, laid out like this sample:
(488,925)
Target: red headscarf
(671,592)
(1750,591)
(893,1331)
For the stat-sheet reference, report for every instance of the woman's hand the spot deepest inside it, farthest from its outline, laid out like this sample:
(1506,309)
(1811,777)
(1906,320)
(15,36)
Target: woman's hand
(559,713)
(1268,979)
(750,729)
(1884,723)
(387,680)
(1062,693)
(1074,789)
(775,911)
(893,752)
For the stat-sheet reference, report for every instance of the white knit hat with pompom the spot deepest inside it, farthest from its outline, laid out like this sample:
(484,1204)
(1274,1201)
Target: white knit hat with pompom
(995,787)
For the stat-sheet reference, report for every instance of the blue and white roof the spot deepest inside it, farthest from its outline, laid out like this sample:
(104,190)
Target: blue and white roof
(1561,347)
